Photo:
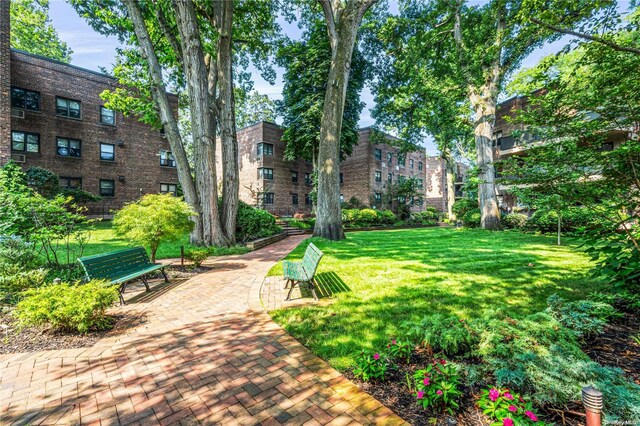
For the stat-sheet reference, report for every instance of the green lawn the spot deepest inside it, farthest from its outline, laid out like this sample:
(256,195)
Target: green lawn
(380,279)
(102,238)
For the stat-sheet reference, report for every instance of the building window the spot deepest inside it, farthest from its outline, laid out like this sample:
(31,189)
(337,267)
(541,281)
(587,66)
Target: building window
(69,148)
(401,159)
(378,197)
(342,198)
(107,188)
(390,177)
(307,199)
(265,148)
(265,173)
(169,188)
(389,158)
(68,108)
(411,163)
(107,116)
(307,179)
(420,183)
(166,159)
(294,176)
(341,178)
(70,182)
(267,198)
(378,176)
(419,165)
(107,151)
(25,99)
(378,154)
(294,199)
(23,141)
(402,199)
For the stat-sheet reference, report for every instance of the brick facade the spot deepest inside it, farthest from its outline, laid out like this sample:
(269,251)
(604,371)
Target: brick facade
(5,81)
(135,169)
(359,172)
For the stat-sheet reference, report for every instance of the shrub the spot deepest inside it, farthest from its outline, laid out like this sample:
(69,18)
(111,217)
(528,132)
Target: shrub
(12,282)
(43,181)
(153,219)
(386,217)
(584,317)
(500,404)
(16,252)
(370,366)
(515,221)
(350,215)
(400,349)
(471,219)
(368,216)
(427,217)
(437,386)
(68,307)
(572,219)
(441,333)
(197,256)
(460,207)
(254,223)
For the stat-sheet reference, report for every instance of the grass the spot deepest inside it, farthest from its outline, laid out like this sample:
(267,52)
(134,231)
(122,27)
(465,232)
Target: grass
(380,279)
(102,239)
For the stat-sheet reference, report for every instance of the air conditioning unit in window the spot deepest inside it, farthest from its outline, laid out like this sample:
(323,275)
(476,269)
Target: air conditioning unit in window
(18,158)
(17,113)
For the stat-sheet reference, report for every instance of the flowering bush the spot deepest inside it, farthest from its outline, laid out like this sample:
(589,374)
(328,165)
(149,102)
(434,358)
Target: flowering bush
(437,386)
(507,408)
(368,216)
(370,366)
(398,349)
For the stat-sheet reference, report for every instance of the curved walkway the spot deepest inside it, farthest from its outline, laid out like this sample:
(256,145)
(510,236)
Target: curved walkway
(207,354)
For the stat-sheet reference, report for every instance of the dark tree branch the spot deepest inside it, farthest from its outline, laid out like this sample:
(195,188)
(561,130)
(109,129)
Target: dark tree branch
(166,30)
(609,43)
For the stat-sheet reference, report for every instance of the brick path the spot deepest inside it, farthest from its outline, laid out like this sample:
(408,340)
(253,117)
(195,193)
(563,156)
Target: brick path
(207,354)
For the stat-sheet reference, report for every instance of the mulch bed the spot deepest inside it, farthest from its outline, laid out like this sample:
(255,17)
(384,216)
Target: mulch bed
(394,394)
(33,339)
(615,346)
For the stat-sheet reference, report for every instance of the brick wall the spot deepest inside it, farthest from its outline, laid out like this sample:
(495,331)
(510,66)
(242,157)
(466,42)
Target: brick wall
(136,169)
(5,82)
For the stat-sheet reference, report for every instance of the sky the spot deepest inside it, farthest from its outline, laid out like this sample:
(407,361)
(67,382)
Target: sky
(93,50)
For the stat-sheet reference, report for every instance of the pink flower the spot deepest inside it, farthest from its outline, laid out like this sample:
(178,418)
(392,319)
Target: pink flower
(513,408)
(508,396)
(393,342)
(507,422)
(420,395)
(426,381)
(376,356)
(531,415)
(494,394)
(443,362)
(439,392)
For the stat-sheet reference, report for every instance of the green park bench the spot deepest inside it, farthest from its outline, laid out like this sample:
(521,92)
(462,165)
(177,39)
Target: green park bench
(121,267)
(303,272)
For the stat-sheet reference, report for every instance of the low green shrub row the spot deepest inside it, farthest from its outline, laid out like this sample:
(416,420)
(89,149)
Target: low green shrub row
(368,217)
(539,356)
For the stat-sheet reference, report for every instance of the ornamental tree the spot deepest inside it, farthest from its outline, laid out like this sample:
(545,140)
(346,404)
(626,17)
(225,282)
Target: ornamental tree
(154,219)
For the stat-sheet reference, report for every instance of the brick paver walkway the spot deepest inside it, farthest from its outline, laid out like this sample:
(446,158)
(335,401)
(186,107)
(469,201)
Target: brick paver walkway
(207,354)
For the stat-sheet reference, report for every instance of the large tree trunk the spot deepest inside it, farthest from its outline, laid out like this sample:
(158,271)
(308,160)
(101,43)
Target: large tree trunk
(227,123)
(450,170)
(169,121)
(343,21)
(484,105)
(203,124)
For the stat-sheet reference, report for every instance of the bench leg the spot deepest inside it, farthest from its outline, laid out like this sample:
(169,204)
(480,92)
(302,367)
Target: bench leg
(293,284)
(146,284)
(286,286)
(166,278)
(121,293)
(312,285)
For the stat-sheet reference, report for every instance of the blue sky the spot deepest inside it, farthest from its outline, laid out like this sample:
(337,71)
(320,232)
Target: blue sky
(93,50)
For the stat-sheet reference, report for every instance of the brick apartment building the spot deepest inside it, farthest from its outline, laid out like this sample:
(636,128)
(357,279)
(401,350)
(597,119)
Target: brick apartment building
(283,187)
(507,143)
(51,116)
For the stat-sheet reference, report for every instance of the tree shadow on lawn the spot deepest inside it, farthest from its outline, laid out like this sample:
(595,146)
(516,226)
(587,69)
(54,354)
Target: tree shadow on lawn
(396,278)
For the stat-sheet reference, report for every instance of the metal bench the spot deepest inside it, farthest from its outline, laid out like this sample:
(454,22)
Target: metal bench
(304,271)
(120,267)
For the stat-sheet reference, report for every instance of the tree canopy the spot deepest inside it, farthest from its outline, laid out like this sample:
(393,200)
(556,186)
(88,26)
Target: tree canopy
(31,30)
